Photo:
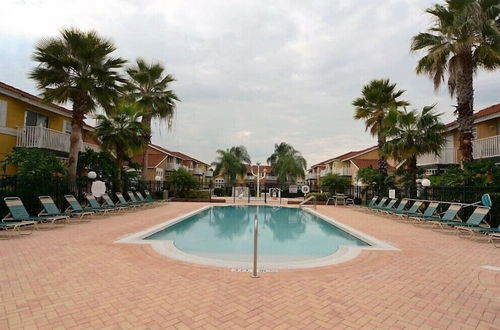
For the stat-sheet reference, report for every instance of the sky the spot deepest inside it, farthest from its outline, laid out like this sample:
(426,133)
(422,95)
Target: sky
(250,73)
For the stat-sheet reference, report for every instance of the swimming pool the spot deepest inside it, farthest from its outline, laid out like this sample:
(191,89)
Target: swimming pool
(285,234)
(289,237)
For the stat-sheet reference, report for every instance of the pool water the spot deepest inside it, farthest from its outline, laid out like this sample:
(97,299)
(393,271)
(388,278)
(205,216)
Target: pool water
(285,234)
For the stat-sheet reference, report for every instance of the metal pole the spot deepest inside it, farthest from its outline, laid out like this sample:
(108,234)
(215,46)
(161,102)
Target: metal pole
(255,239)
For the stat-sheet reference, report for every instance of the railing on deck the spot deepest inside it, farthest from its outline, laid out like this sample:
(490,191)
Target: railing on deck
(487,147)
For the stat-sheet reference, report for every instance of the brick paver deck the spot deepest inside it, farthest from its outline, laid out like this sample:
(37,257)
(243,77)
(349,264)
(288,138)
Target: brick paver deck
(76,277)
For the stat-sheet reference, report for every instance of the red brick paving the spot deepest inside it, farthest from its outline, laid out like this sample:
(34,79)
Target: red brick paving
(76,277)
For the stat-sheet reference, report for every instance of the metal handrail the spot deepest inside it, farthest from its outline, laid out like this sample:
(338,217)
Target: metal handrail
(255,240)
(307,200)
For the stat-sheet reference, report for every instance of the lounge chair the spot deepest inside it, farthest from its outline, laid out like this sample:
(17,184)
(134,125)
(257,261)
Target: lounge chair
(449,215)
(50,209)
(429,213)
(401,207)
(76,208)
(413,210)
(144,200)
(109,203)
(380,204)
(94,205)
(18,213)
(495,238)
(122,202)
(16,227)
(134,200)
(150,198)
(388,207)
(474,220)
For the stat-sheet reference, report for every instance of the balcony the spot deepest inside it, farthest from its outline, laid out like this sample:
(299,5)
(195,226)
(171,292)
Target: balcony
(196,171)
(345,171)
(46,138)
(311,176)
(486,148)
(324,172)
(447,156)
(271,178)
(250,178)
(173,166)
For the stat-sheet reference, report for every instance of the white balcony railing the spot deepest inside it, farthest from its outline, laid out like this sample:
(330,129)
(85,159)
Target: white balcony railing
(271,178)
(173,166)
(324,172)
(196,171)
(342,171)
(311,176)
(249,178)
(41,137)
(46,138)
(447,156)
(486,148)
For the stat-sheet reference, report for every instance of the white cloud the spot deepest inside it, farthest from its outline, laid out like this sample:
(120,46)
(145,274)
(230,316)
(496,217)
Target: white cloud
(250,72)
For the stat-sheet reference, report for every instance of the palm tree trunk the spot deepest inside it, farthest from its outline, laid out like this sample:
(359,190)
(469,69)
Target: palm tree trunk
(382,161)
(411,166)
(465,105)
(146,120)
(119,162)
(75,142)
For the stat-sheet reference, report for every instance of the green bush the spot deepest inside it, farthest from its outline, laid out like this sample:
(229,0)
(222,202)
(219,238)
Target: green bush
(34,163)
(181,182)
(194,194)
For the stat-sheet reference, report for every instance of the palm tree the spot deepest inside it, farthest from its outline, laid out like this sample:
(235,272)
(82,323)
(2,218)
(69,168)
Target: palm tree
(377,97)
(287,163)
(464,36)
(149,87)
(77,68)
(121,132)
(231,162)
(413,134)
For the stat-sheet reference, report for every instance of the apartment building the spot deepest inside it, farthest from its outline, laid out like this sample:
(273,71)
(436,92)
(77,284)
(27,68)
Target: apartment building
(27,121)
(486,142)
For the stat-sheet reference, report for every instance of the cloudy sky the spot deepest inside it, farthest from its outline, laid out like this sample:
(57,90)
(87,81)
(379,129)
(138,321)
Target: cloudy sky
(250,72)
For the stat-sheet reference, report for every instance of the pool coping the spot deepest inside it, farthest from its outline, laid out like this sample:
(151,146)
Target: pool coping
(343,254)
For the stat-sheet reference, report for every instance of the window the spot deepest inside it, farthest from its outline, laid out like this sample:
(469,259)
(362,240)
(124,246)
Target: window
(159,172)
(36,119)
(474,133)
(67,127)
(3,113)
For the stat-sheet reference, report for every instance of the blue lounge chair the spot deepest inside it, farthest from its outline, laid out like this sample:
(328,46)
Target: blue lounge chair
(380,204)
(134,200)
(18,213)
(51,209)
(429,213)
(401,207)
(94,205)
(388,207)
(123,202)
(109,203)
(76,208)
(474,220)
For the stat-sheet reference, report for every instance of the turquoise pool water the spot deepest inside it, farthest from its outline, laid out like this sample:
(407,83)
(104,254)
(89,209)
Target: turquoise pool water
(285,234)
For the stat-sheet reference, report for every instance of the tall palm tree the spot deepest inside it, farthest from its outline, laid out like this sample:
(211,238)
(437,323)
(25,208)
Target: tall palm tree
(377,97)
(121,132)
(149,87)
(287,163)
(464,36)
(231,162)
(412,134)
(77,68)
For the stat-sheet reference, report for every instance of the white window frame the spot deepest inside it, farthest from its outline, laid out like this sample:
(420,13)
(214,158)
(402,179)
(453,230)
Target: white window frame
(3,113)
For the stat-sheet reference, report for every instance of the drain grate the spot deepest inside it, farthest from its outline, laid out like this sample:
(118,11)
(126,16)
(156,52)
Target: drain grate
(249,270)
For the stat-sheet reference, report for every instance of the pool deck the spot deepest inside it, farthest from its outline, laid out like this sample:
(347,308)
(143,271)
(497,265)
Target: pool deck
(77,277)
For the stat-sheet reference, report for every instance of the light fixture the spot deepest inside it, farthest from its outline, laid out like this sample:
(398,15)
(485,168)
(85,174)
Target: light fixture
(426,182)
(157,178)
(418,181)
(360,183)
(92,175)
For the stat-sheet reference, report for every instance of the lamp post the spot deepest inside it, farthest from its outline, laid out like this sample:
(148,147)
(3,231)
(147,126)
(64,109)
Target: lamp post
(258,177)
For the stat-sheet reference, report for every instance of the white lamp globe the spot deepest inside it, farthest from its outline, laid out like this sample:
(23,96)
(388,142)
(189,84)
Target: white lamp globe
(426,182)
(418,181)
(92,175)
(360,183)
(157,178)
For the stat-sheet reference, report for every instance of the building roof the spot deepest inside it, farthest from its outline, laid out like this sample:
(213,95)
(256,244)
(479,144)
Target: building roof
(492,111)
(262,168)
(39,102)
(365,163)
(155,159)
